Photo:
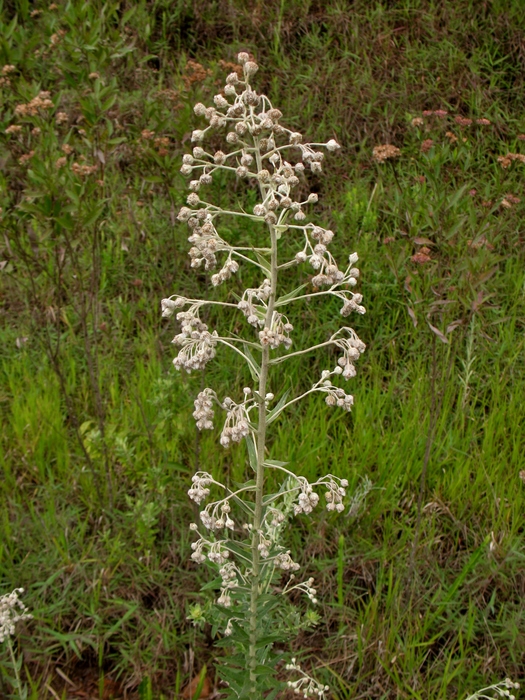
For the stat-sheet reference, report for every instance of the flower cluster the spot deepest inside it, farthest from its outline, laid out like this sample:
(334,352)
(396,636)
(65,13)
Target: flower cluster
(503,689)
(305,685)
(237,425)
(509,158)
(196,342)
(229,582)
(385,152)
(32,108)
(249,117)
(12,610)
(199,489)
(253,303)
(278,333)
(216,551)
(203,412)
(284,561)
(352,348)
(307,499)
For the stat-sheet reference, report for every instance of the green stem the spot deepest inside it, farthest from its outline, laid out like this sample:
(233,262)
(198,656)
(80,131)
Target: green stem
(15,668)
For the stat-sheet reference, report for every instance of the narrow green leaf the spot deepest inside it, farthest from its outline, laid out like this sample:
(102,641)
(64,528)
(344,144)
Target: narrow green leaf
(281,301)
(276,410)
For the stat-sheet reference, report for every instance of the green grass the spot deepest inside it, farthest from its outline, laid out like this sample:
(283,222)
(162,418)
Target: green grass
(97,444)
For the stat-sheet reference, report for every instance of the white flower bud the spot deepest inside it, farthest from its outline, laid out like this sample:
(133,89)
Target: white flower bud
(220,101)
(232,137)
(332,145)
(250,68)
(242,57)
(353,258)
(197,135)
(199,109)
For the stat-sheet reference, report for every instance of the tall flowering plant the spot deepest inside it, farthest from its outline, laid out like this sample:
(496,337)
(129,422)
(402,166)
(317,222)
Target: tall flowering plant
(240,534)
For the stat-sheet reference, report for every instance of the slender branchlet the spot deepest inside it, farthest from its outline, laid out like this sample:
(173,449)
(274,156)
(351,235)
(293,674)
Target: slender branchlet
(242,530)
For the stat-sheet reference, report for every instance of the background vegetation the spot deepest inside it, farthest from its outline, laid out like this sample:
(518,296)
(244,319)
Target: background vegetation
(422,591)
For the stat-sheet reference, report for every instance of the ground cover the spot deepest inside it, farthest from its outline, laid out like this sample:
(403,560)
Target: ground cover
(421,589)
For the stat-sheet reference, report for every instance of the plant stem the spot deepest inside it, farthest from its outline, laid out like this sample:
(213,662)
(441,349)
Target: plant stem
(259,480)
(15,668)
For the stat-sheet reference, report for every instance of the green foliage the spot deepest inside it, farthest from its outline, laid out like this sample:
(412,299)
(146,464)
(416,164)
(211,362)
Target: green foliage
(96,448)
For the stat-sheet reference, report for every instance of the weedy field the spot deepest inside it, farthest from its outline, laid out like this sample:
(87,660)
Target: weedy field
(421,586)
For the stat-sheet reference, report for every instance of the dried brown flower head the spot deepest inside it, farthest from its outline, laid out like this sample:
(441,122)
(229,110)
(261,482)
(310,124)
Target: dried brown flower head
(422,256)
(13,129)
(232,68)
(507,159)
(463,121)
(426,145)
(451,137)
(509,199)
(194,73)
(385,152)
(83,170)
(483,122)
(27,156)
(41,101)
(93,76)
(8,69)
(61,117)
(441,113)
(418,121)
(146,134)
(60,162)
